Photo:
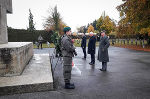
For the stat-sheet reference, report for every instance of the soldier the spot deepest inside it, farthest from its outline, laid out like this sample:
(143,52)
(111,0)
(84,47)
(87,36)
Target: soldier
(68,51)
(103,51)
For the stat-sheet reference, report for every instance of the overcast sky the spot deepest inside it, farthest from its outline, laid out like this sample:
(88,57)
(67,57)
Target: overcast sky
(75,13)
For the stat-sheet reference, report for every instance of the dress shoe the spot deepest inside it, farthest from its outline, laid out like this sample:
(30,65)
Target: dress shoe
(91,63)
(102,70)
(69,86)
(72,84)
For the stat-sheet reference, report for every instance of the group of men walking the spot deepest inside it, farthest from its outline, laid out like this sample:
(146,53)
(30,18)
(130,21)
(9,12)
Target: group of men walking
(68,51)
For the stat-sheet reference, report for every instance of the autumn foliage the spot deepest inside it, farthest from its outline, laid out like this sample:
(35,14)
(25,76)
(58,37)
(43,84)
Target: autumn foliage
(105,23)
(90,29)
(135,17)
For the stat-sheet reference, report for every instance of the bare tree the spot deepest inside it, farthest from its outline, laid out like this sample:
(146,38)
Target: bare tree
(54,21)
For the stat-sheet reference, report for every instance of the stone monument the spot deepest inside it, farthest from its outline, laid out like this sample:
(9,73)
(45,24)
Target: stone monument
(14,59)
(5,7)
(14,56)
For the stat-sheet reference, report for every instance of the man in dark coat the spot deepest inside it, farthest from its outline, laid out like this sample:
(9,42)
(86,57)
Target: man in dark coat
(83,45)
(103,51)
(91,48)
(68,51)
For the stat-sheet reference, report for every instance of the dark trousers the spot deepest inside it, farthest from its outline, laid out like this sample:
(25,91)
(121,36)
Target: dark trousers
(84,52)
(93,58)
(104,65)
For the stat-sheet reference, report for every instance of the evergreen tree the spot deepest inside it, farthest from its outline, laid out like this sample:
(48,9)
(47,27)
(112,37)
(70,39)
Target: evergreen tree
(84,29)
(31,27)
(31,23)
(94,24)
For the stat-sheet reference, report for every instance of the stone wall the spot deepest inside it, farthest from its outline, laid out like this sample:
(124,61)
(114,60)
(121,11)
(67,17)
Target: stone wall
(14,56)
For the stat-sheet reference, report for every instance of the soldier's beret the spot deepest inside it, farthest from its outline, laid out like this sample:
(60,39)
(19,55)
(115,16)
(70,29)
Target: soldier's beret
(66,29)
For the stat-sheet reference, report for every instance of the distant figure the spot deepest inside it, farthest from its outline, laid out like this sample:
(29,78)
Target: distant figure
(103,51)
(48,44)
(40,40)
(83,45)
(37,44)
(91,48)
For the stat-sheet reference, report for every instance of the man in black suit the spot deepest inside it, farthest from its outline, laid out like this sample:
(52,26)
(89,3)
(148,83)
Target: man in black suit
(91,48)
(83,45)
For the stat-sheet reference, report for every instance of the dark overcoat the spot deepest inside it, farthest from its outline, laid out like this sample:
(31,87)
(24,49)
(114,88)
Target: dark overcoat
(83,43)
(103,49)
(91,45)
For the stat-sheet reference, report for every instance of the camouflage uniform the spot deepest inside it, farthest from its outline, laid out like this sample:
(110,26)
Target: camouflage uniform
(68,51)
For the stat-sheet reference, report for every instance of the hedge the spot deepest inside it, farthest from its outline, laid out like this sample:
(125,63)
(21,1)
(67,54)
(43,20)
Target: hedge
(21,35)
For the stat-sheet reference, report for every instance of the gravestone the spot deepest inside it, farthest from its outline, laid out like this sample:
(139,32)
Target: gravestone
(143,44)
(124,42)
(140,42)
(14,56)
(128,41)
(136,42)
(115,40)
(131,41)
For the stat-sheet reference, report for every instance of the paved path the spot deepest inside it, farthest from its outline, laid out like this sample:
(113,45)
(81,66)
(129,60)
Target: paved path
(128,77)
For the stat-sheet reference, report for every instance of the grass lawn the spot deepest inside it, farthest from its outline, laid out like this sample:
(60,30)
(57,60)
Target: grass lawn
(44,45)
(77,44)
